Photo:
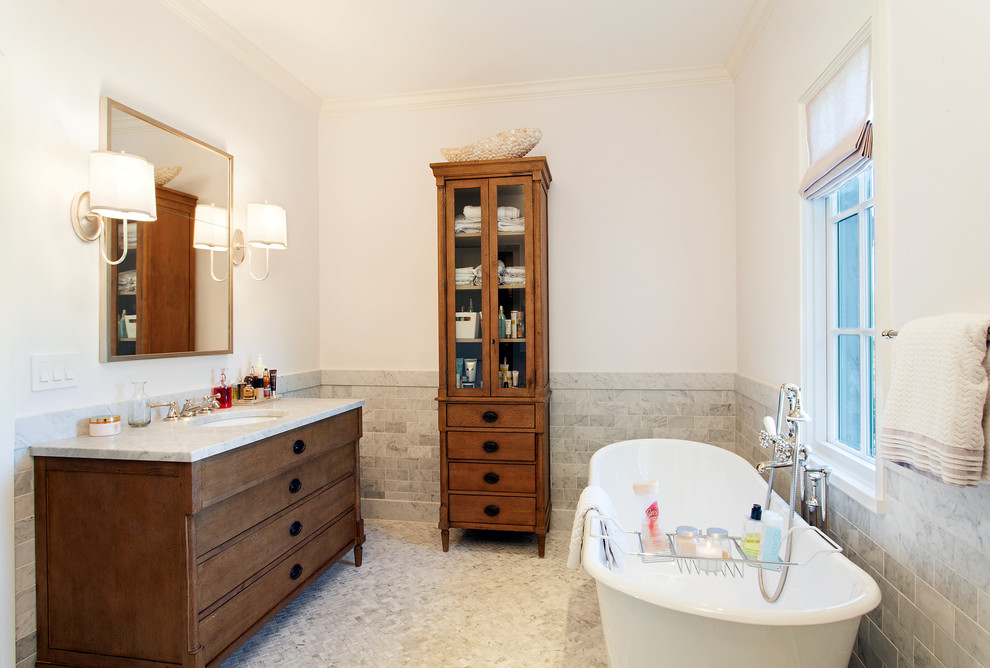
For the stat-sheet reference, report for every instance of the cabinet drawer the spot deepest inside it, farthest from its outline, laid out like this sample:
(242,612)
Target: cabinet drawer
(471,508)
(229,569)
(223,626)
(493,477)
(491,446)
(226,474)
(222,521)
(518,416)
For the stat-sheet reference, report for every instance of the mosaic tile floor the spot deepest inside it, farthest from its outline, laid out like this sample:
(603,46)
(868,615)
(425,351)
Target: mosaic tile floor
(489,601)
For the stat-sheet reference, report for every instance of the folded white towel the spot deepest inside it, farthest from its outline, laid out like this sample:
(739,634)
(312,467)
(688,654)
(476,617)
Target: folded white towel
(935,417)
(472,212)
(596,499)
(505,212)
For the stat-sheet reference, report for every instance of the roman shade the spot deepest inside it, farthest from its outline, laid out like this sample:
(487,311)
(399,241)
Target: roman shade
(840,132)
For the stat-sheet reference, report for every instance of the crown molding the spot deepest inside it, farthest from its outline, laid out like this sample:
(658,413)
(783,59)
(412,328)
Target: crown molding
(534,90)
(200,17)
(756,19)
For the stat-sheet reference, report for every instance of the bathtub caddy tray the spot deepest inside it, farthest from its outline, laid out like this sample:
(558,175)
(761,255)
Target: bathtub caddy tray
(728,566)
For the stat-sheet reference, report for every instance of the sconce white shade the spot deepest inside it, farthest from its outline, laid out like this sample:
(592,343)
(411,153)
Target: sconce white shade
(266,226)
(122,186)
(210,231)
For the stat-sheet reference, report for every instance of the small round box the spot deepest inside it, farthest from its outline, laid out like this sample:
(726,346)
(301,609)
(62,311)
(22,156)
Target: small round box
(104,425)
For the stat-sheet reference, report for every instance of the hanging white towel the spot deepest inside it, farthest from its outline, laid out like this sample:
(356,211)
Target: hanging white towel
(935,418)
(594,498)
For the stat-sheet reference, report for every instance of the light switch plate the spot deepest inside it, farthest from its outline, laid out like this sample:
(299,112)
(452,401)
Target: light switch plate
(54,372)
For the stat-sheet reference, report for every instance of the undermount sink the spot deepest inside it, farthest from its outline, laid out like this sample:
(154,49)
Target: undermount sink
(237,418)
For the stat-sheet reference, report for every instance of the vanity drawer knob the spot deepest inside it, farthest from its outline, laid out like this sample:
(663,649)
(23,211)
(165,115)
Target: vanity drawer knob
(295,486)
(490,446)
(299,447)
(296,572)
(489,416)
(491,478)
(295,528)
(491,511)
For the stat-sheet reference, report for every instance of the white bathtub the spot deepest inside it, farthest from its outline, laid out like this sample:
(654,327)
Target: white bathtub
(654,615)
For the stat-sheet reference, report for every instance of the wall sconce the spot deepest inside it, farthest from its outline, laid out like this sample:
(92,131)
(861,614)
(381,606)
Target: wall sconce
(120,186)
(265,229)
(211,232)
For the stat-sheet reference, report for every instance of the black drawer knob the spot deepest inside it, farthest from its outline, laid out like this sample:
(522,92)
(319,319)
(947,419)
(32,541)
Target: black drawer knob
(299,447)
(295,528)
(296,572)
(295,486)
(489,416)
(491,511)
(490,446)
(491,478)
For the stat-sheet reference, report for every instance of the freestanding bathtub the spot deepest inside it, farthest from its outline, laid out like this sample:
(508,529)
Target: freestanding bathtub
(652,614)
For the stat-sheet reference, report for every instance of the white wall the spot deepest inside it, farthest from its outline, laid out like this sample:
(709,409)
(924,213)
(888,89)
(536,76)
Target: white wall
(642,234)
(64,56)
(798,43)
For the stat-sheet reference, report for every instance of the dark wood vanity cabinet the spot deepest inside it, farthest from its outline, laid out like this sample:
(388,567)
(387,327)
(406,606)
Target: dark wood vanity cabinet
(494,390)
(177,564)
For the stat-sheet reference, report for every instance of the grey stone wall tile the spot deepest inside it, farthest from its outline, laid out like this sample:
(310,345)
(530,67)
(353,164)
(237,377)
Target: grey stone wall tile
(957,589)
(935,606)
(970,637)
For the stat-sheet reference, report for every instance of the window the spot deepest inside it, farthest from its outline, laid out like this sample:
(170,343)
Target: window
(840,362)
(843,338)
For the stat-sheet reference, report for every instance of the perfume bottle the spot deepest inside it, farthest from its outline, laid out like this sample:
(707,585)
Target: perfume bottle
(224,390)
(501,322)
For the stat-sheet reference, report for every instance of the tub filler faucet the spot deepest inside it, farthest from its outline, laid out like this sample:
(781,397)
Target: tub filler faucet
(784,438)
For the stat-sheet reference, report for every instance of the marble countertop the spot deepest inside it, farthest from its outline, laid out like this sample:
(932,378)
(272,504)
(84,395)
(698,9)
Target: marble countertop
(192,439)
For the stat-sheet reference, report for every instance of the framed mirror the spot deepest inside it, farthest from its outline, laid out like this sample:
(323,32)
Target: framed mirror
(167,298)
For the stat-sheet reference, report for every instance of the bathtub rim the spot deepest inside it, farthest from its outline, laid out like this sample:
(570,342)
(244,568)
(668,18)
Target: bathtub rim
(866,601)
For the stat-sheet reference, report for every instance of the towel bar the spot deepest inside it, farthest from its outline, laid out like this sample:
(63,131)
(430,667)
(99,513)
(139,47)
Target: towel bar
(889,333)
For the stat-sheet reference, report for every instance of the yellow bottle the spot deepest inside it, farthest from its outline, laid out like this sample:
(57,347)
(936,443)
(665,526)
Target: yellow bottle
(752,536)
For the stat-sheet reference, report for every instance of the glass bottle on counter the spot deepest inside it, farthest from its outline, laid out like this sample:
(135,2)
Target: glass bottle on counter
(139,410)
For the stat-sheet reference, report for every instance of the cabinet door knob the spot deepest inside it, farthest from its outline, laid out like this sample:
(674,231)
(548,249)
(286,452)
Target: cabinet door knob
(299,447)
(296,572)
(295,528)
(295,486)
(491,511)
(489,416)
(490,446)
(491,478)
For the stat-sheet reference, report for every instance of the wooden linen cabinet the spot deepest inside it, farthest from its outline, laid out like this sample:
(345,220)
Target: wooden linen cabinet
(494,389)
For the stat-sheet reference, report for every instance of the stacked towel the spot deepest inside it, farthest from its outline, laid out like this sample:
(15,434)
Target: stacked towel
(511,224)
(508,212)
(464,225)
(467,275)
(935,418)
(127,281)
(595,500)
(131,236)
(472,212)
(513,276)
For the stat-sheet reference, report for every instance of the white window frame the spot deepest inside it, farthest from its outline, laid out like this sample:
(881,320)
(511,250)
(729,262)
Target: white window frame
(853,473)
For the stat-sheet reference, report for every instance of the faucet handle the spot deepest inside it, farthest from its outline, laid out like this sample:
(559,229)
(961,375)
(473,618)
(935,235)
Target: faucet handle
(172,416)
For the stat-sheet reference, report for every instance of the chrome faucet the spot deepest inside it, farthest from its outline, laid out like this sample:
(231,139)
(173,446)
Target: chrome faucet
(210,401)
(788,452)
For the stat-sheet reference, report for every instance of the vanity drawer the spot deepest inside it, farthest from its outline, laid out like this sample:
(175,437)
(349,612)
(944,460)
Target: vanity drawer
(471,508)
(504,416)
(495,446)
(226,474)
(229,569)
(223,626)
(222,521)
(492,477)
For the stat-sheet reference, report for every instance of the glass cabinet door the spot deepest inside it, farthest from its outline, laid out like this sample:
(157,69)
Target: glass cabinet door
(467,300)
(512,300)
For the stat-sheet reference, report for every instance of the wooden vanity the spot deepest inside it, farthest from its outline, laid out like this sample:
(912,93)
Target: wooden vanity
(178,563)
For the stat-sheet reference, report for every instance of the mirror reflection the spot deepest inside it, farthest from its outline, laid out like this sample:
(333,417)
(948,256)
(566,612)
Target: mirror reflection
(167,298)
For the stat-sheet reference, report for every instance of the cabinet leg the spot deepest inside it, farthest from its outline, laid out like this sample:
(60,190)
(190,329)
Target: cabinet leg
(358,554)
(445,539)
(541,544)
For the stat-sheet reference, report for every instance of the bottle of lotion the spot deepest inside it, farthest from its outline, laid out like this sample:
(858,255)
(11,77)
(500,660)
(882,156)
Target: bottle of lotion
(753,532)
(648,496)
(774,529)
